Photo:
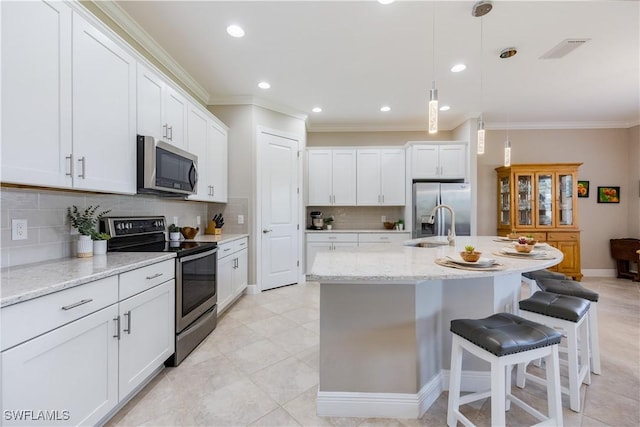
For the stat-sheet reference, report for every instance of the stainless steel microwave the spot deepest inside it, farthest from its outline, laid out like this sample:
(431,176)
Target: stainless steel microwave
(164,169)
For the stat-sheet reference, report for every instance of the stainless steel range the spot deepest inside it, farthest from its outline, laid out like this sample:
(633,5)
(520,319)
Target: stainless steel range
(196,308)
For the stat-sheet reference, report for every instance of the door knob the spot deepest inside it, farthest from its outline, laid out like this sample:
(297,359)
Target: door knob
(265,231)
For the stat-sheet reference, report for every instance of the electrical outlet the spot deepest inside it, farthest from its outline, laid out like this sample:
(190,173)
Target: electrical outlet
(383,218)
(198,220)
(240,219)
(19,229)
(175,220)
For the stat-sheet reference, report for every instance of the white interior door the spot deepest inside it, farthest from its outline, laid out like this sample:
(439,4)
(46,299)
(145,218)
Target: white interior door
(279,210)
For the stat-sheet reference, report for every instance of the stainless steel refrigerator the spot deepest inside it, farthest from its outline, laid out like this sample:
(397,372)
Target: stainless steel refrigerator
(427,195)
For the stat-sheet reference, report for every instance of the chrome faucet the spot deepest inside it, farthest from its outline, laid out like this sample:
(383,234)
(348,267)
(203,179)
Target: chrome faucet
(451,235)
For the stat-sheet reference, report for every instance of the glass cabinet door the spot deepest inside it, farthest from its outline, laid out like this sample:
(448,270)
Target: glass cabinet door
(565,199)
(504,197)
(524,215)
(545,199)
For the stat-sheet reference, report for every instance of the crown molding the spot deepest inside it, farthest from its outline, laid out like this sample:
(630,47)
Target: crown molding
(558,125)
(135,31)
(260,102)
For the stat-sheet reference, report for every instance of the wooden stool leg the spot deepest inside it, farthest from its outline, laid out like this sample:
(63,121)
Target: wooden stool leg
(585,351)
(574,368)
(454,381)
(554,398)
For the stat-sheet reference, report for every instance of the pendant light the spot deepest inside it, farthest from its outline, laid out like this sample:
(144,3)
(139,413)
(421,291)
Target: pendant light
(507,153)
(433,93)
(480,120)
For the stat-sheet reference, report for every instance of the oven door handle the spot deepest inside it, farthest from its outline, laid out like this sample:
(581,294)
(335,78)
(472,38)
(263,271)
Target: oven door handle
(198,255)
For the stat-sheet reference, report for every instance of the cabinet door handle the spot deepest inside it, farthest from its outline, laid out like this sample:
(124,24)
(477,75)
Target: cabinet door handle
(76,304)
(82,160)
(383,198)
(70,158)
(117,320)
(164,130)
(265,231)
(154,276)
(170,133)
(128,328)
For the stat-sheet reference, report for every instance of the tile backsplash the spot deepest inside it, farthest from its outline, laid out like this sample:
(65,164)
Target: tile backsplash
(48,230)
(358,217)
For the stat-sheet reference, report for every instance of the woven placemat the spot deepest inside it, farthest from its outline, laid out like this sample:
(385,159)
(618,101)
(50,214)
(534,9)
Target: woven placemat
(447,263)
(541,257)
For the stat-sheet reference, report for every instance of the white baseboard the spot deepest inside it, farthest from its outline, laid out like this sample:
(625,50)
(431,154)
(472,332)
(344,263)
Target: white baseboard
(603,272)
(252,290)
(395,405)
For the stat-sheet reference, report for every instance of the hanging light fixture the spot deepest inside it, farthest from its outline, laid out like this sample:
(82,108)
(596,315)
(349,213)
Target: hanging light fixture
(481,120)
(507,152)
(433,93)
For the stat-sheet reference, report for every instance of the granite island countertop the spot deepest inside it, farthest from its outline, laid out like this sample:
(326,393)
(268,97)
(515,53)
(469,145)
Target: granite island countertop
(402,263)
(28,281)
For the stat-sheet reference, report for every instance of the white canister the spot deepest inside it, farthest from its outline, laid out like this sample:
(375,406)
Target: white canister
(99,247)
(174,235)
(85,246)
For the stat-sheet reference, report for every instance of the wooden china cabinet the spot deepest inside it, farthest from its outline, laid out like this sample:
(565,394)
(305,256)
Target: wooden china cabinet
(541,200)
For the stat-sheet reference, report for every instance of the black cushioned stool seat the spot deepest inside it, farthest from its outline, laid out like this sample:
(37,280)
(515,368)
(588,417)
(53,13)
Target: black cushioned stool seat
(503,340)
(559,306)
(575,289)
(531,278)
(505,333)
(567,287)
(566,313)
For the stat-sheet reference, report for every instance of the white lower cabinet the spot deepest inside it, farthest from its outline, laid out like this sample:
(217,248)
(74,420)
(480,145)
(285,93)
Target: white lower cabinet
(372,239)
(233,275)
(69,373)
(96,351)
(146,335)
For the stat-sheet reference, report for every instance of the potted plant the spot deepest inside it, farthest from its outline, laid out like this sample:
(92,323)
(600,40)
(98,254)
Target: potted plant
(328,221)
(469,254)
(174,232)
(100,243)
(85,222)
(400,224)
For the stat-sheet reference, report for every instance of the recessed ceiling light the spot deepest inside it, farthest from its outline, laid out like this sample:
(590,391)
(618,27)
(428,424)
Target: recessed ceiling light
(264,85)
(445,108)
(385,108)
(317,110)
(458,67)
(386,1)
(235,31)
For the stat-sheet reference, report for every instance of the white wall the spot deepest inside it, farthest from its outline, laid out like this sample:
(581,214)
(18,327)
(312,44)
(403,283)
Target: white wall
(634,181)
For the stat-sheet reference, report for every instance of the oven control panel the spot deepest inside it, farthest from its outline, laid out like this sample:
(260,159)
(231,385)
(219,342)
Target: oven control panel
(130,226)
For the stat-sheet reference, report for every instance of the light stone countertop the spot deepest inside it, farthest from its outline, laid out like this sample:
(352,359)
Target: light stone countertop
(343,230)
(399,263)
(218,238)
(25,282)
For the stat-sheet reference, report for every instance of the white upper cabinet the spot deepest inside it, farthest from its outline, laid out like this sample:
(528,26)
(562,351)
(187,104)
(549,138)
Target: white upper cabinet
(381,177)
(162,111)
(331,177)
(104,112)
(208,140)
(442,161)
(36,93)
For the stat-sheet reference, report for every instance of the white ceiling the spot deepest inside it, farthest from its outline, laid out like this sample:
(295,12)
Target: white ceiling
(352,57)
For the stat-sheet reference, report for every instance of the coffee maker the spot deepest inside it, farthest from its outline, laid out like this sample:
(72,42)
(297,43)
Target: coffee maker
(316,220)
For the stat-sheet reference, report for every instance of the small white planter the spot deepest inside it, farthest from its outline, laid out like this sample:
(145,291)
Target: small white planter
(99,247)
(174,235)
(85,246)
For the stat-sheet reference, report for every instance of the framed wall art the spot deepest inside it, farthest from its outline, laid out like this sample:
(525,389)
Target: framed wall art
(608,194)
(583,188)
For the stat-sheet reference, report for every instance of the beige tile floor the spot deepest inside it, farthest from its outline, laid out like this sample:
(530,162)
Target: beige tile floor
(260,368)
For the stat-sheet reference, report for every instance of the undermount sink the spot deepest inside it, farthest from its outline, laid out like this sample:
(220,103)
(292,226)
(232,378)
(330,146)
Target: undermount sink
(429,244)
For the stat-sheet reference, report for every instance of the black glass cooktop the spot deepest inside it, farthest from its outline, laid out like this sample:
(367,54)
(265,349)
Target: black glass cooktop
(181,247)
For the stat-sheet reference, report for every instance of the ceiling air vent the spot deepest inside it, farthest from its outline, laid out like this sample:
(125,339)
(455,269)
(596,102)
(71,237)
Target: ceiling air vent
(563,48)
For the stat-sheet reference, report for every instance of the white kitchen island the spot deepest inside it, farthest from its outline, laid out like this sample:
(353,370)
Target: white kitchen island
(384,322)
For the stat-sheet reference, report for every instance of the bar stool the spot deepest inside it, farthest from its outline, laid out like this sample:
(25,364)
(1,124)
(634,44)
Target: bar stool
(568,314)
(575,289)
(503,340)
(531,277)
